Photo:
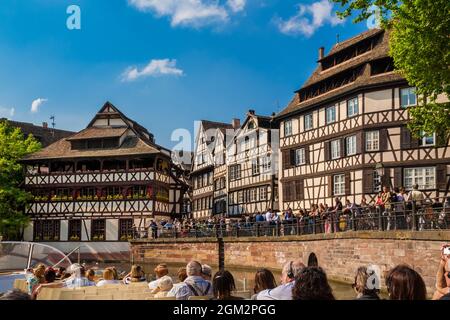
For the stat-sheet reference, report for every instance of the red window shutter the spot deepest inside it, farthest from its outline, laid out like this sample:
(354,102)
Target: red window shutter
(330,186)
(360,142)
(326,150)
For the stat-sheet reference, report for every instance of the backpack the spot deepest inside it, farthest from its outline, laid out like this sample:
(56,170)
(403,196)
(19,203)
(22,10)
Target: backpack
(394,197)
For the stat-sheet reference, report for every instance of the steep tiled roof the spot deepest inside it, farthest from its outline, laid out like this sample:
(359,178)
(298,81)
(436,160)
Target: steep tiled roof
(138,143)
(45,135)
(215,125)
(96,132)
(62,149)
(364,79)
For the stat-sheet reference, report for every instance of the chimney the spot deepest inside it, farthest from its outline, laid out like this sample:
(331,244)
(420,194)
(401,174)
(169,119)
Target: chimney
(321,52)
(45,125)
(236,123)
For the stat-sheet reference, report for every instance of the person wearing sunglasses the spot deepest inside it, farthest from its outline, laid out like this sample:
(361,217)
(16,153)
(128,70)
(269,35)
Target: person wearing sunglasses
(443,276)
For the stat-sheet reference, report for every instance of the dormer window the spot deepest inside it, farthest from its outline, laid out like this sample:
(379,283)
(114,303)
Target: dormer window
(105,143)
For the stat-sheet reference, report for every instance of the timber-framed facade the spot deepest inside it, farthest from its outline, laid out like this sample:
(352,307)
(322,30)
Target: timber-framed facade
(252,171)
(349,116)
(208,176)
(102,183)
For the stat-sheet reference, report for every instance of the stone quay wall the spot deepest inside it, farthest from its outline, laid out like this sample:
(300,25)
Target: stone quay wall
(339,254)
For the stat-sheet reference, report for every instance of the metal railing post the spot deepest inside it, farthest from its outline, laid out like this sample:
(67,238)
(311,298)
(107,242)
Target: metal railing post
(380,220)
(257,229)
(314,225)
(353,218)
(413,216)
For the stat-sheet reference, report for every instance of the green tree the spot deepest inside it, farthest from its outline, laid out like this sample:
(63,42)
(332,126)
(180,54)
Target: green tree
(420,47)
(13,199)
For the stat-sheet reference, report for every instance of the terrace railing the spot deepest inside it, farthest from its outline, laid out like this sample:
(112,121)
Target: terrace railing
(402,216)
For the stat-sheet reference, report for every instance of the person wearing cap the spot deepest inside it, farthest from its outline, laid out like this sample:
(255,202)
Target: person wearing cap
(206,272)
(161,270)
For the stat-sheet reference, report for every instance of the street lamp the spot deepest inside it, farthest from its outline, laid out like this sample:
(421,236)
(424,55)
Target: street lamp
(379,168)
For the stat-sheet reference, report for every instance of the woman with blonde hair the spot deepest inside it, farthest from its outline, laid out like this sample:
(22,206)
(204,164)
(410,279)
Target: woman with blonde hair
(136,275)
(365,290)
(108,278)
(35,277)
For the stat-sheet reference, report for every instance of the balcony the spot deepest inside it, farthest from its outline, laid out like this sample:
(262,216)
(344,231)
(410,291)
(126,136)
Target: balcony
(99,206)
(95,177)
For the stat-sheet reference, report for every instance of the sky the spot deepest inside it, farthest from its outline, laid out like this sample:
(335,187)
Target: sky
(164,63)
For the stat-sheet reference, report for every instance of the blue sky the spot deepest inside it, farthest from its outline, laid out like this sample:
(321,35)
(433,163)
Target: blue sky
(164,63)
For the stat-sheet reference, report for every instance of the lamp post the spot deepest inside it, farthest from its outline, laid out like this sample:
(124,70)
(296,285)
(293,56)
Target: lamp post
(379,169)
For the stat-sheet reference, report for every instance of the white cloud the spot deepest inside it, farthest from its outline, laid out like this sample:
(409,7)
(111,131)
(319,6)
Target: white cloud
(236,5)
(192,13)
(309,18)
(36,104)
(7,112)
(154,68)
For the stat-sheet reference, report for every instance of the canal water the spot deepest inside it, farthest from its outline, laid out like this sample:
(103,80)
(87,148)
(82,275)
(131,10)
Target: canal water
(244,278)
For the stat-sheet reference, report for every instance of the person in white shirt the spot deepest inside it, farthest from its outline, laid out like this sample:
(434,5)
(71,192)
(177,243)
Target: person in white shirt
(206,272)
(108,278)
(269,215)
(165,284)
(284,291)
(194,285)
(161,270)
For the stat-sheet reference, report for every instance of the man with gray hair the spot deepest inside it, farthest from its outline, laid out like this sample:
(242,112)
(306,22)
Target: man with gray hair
(206,272)
(194,285)
(284,291)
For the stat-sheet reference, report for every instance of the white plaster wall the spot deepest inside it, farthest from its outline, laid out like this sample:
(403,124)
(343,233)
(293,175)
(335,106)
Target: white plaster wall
(64,230)
(112,229)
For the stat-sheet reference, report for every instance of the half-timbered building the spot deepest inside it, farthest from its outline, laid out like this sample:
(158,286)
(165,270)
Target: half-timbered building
(349,116)
(252,171)
(102,183)
(208,176)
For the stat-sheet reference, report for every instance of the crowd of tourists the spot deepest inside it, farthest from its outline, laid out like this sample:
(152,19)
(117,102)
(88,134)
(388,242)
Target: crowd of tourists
(297,282)
(389,210)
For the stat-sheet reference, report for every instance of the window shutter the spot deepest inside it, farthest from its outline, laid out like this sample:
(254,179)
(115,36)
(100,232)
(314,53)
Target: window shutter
(286,158)
(299,189)
(307,155)
(398,175)
(326,150)
(368,181)
(360,142)
(347,183)
(405,138)
(286,193)
(343,149)
(383,139)
(292,157)
(441,177)
(330,186)
(386,179)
